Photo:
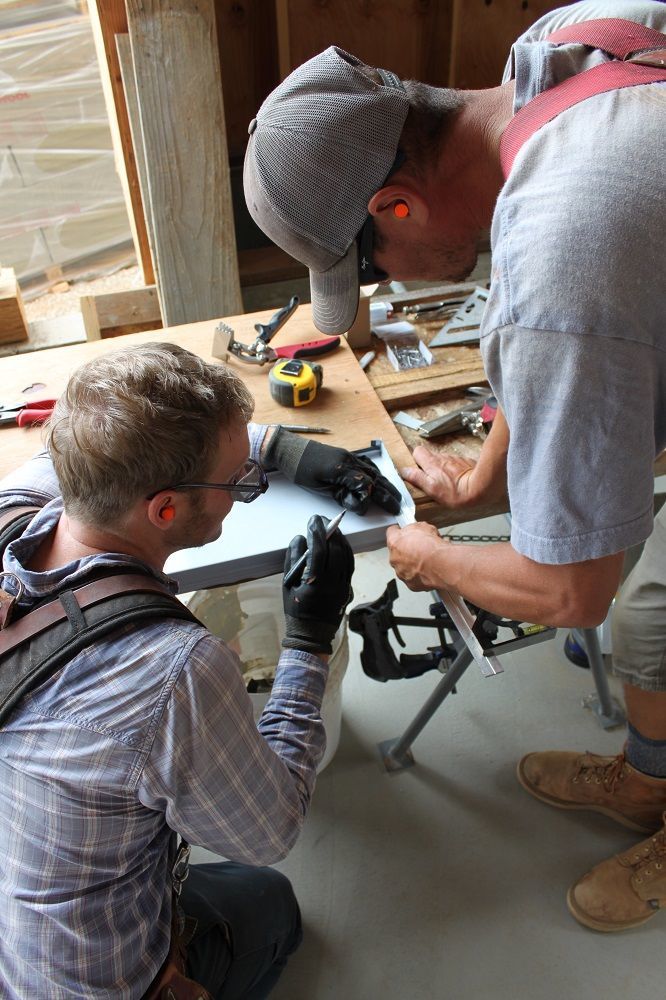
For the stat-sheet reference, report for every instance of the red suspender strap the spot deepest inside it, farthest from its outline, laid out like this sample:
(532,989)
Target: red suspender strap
(616,36)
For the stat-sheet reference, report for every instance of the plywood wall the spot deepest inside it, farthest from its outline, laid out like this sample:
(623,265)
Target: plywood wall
(411,37)
(482,33)
(246,32)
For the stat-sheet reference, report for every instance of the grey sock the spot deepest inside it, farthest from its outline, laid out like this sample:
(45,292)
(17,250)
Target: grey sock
(646,755)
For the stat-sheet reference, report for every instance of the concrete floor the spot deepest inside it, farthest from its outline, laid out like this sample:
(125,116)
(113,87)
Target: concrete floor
(447,880)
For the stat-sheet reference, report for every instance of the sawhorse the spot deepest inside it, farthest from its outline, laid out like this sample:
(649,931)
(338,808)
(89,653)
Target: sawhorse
(397,755)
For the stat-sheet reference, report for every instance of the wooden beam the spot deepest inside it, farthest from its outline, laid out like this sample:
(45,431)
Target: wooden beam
(116,314)
(179,90)
(108,18)
(126,64)
(13,322)
(418,386)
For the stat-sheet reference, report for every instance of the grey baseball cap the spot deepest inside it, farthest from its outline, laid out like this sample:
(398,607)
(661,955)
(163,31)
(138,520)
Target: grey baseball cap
(321,145)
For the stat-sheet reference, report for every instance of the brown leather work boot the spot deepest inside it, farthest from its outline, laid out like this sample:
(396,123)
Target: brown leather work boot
(607,785)
(624,891)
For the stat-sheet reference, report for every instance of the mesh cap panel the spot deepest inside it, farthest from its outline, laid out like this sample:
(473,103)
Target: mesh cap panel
(322,143)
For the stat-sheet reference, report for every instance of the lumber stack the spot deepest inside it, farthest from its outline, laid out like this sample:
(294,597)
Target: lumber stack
(13,323)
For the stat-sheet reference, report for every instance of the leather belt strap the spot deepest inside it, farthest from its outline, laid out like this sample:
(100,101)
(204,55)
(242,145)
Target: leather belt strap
(40,619)
(616,36)
(12,513)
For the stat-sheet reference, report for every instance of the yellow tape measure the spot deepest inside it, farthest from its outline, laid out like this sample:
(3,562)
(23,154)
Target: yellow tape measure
(294,382)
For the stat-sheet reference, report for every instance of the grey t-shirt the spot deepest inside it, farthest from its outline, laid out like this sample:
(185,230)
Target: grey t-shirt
(574,333)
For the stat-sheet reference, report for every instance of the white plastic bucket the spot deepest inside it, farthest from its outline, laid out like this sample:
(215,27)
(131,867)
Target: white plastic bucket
(250,619)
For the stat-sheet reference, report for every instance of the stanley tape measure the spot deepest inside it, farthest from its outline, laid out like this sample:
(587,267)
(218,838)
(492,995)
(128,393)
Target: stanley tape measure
(294,382)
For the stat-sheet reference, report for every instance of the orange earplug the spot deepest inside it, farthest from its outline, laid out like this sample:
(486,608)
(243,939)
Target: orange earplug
(168,513)
(401,209)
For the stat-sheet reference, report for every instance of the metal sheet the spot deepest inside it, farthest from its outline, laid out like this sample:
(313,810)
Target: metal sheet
(255,536)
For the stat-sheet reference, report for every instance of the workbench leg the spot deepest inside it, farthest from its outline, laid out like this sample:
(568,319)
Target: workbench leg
(606,708)
(396,754)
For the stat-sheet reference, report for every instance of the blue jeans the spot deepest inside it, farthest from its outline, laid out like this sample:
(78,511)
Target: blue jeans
(248,923)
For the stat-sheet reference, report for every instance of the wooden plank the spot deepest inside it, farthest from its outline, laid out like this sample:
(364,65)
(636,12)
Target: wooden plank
(117,314)
(424,385)
(90,317)
(177,70)
(13,322)
(126,64)
(482,35)
(412,39)
(108,18)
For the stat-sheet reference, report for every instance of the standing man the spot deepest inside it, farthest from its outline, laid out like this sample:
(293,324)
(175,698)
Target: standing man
(149,732)
(365,177)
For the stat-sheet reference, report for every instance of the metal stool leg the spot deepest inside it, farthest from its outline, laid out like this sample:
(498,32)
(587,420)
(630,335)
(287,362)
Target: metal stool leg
(396,754)
(607,709)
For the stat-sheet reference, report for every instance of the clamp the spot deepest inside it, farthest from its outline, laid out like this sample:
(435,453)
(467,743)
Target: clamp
(473,633)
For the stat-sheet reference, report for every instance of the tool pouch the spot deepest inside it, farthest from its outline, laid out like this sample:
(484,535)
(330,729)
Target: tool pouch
(171,983)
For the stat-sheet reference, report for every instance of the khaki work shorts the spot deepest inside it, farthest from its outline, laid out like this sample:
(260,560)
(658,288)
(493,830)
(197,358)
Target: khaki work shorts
(639,616)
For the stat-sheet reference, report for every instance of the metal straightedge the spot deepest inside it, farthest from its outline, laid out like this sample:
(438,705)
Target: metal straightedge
(463,327)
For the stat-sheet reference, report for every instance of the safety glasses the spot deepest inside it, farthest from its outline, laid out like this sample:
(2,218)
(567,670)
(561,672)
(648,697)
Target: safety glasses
(250,482)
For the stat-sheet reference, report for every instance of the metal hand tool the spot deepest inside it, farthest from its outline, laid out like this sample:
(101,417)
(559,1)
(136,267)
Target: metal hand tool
(414,311)
(304,429)
(259,352)
(332,525)
(26,414)
(452,421)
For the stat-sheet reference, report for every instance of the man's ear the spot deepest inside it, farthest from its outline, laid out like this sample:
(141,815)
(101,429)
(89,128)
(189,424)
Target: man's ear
(162,510)
(399,203)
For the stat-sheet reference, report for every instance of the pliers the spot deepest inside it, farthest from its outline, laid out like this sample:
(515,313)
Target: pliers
(26,414)
(260,353)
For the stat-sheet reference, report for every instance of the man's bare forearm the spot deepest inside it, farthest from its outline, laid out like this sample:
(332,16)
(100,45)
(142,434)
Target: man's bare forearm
(490,471)
(499,579)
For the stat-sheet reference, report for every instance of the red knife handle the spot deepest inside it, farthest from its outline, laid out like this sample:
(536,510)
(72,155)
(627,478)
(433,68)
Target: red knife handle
(310,349)
(489,410)
(28,417)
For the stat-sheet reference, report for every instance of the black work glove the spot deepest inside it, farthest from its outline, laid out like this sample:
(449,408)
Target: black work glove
(316,598)
(352,480)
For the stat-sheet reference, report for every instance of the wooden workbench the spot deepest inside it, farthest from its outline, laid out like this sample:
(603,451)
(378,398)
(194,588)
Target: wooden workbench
(347,403)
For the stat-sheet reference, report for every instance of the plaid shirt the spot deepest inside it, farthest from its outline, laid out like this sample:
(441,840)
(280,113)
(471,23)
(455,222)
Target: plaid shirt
(140,735)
